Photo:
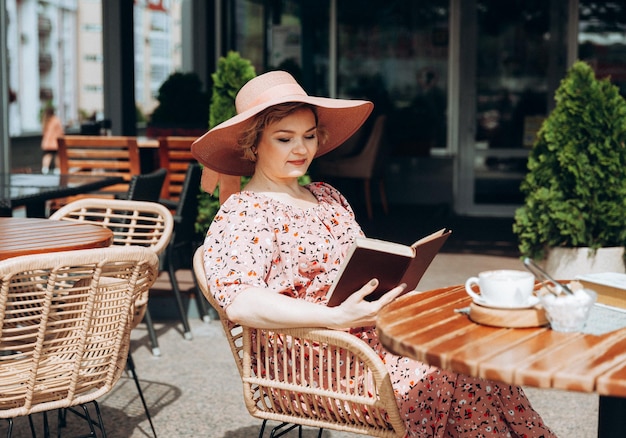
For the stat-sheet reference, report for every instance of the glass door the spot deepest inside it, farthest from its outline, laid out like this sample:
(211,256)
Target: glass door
(519,54)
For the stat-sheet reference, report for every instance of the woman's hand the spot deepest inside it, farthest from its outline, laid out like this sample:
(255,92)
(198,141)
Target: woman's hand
(356,311)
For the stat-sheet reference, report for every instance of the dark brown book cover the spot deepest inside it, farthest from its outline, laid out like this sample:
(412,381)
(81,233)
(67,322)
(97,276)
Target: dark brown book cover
(391,263)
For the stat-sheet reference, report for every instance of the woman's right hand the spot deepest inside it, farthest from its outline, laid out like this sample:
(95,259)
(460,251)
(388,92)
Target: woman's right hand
(356,311)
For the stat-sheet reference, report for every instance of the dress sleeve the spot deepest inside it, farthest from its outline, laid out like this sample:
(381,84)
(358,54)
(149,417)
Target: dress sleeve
(239,249)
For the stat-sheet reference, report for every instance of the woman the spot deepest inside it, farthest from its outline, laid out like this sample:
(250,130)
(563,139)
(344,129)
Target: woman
(52,129)
(274,249)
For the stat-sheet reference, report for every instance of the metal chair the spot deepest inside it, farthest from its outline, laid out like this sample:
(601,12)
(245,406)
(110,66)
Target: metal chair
(65,322)
(179,252)
(146,186)
(290,376)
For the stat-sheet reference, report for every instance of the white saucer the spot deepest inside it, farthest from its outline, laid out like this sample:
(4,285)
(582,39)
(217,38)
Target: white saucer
(531,303)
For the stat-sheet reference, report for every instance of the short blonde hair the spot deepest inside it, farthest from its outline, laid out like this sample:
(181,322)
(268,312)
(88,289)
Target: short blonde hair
(251,135)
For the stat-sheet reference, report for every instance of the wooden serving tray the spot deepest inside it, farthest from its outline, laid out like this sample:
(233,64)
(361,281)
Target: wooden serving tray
(514,318)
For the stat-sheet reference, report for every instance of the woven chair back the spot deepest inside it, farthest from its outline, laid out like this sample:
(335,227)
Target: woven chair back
(134,223)
(140,223)
(65,321)
(146,186)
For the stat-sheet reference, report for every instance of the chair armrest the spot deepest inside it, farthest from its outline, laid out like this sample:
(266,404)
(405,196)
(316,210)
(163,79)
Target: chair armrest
(326,375)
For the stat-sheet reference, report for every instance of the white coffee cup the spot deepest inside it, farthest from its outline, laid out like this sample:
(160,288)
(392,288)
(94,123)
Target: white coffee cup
(502,288)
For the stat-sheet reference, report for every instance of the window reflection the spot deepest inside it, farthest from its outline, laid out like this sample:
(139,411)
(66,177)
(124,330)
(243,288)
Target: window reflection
(396,54)
(248,29)
(512,70)
(602,39)
(57,58)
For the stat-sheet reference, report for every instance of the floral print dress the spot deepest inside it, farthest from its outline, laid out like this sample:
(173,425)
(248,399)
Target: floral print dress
(256,240)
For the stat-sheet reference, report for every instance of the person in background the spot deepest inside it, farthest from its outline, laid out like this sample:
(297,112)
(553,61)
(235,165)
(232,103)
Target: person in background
(52,129)
(274,249)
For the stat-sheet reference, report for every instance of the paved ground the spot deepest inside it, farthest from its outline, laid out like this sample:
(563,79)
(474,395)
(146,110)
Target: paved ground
(193,388)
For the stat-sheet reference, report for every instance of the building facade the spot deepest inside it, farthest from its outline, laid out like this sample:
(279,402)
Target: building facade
(63,40)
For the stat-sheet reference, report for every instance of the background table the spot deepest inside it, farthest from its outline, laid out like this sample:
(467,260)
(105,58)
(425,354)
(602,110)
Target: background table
(33,190)
(22,236)
(427,327)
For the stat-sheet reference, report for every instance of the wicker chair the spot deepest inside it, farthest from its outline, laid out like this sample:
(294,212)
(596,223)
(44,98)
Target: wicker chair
(65,322)
(134,223)
(145,186)
(137,223)
(359,401)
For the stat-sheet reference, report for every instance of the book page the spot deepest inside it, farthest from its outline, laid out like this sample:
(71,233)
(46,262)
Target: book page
(385,246)
(430,237)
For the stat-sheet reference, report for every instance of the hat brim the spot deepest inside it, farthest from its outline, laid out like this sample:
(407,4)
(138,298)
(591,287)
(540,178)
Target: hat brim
(218,148)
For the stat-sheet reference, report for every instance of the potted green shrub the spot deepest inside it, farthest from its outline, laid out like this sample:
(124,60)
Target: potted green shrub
(232,73)
(183,107)
(575,188)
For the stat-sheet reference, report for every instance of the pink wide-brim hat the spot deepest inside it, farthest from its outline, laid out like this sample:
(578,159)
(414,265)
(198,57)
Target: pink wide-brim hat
(218,149)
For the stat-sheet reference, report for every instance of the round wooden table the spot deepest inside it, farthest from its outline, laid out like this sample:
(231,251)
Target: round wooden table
(428,327)
(22,236)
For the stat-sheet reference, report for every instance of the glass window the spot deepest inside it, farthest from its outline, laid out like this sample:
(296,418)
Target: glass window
(159,46)
(288,43)
(512,69)
(396,54)
(602,39)
(93,57)
(159,21)
(248,28)
(91,27)
(158,31)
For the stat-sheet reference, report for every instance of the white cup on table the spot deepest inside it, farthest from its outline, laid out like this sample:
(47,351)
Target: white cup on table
(505,288)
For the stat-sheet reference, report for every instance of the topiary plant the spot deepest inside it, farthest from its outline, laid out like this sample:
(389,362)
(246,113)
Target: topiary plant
(232,73)
(575,188)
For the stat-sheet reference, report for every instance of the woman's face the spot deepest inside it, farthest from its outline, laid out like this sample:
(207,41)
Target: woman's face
(287,147)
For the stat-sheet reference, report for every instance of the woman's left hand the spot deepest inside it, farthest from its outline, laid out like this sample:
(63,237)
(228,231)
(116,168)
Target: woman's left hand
(356,311)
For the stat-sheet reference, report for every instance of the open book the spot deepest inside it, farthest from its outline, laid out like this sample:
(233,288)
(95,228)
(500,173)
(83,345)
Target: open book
(391,263)
(610,287)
